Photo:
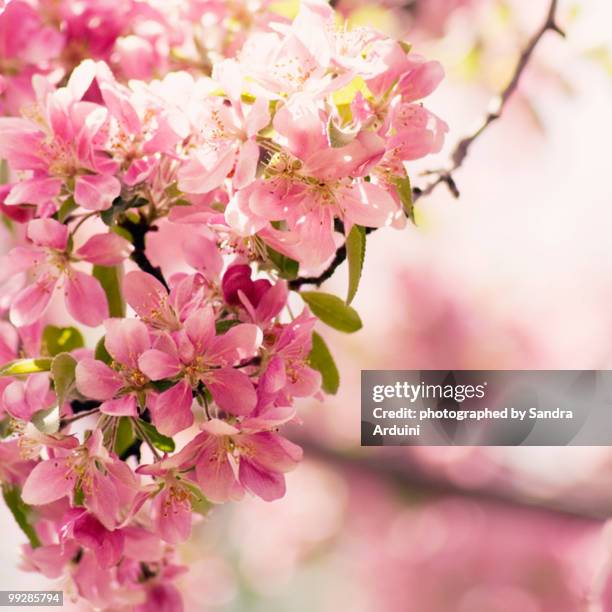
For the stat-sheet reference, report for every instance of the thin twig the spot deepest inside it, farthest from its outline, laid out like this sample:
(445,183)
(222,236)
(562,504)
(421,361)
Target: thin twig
(463,146)
(145,437)
(76,417)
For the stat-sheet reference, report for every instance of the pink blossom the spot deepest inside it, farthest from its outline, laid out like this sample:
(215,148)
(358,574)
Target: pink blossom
(48,258)
(198,355)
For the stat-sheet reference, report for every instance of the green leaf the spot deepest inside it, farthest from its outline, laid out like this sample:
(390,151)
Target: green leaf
(109,277)
(355,254)
(66,208)
(321,360)
(287,267)
(199,503)
(47,421)
(62,372)
(222,326)
(20,511)
(163,443)
(125,435)
(332,311)
(62,339)
(25,366)
(404,191)
(101,354)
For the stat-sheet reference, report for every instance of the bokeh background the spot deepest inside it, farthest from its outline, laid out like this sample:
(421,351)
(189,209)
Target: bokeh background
(515,274)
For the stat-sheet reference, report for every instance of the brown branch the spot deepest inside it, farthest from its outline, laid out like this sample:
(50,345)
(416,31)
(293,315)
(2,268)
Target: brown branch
(463,146)
(403,471)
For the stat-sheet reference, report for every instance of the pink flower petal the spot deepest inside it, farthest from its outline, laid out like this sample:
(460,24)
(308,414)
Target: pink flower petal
(122,406)
(261,482)
(232,390)
(47,482)
(85,299)
(171,410)
(158,365)
(148,297)
(172,518)
(32,301)
(126,340)
(105,249)
(94,379)
(216,477)
(48,233)
(96,192)
(239,343)
(34,191)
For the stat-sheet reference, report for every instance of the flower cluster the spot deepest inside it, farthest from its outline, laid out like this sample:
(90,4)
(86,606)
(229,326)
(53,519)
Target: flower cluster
(257,146)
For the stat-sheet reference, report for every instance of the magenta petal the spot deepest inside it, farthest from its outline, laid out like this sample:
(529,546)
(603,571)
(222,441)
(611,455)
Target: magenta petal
(96,192)
(232,390)
(85,299)
(122,406)
(158,364)
(47,482)
(94,379)
(171,410)
(261,482)
(126,340)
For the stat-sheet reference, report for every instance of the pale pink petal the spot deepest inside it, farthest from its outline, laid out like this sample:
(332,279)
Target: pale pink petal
(261,482)
(203,255)
(148,297)
(172,518)
(126,340)
(34,191)
(48,233)
(171,410)
(101,498)
(216,477)
(47,482)
(421,81)
(232,390)
(94,379)
(32,301)
(141,544)
(85,299)
(96,192)
(158,364)
(206,170)
(122,406)
(14,401)
(367,205)
(200,329)
(238,343)
(272,452)
(105,249)
(246,166)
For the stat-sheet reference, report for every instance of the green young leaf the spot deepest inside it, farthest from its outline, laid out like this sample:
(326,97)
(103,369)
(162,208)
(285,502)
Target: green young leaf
(199,503)
(62,372)
(61,339)
(100,353)
(25,366)
(321,360)
(47,421)
(332,311)
(66,208)
(222,326)
(287,267)
(125,435)
(163,443)
(20,511)
(355,254)
(109,278)
(404,191)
